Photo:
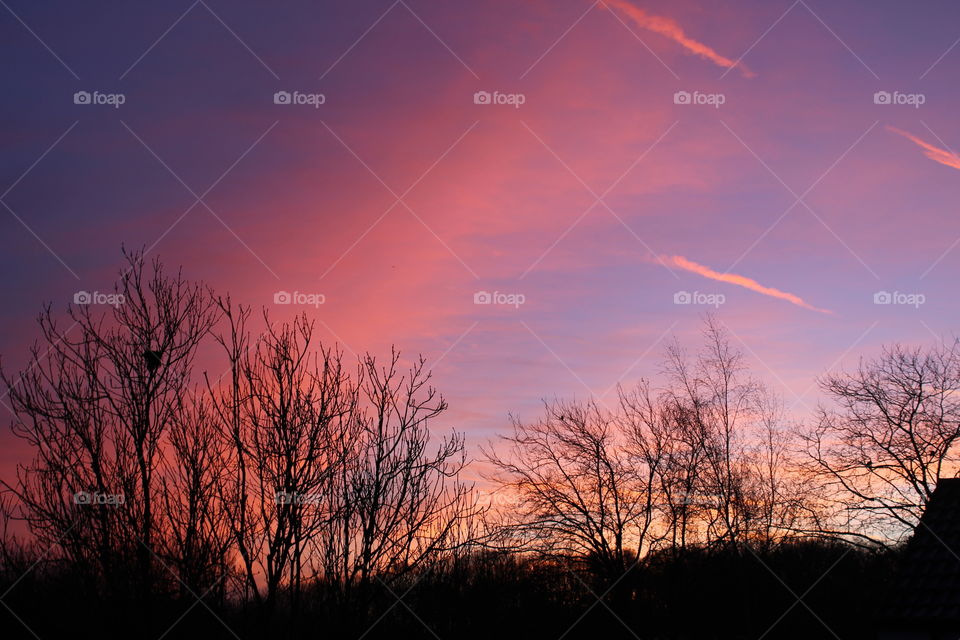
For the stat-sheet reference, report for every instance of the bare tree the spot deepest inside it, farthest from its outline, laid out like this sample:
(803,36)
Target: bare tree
(698,461)
(332,476)
(715,403)
(196,537)
(778,493)
(578,492)
(890,436)
(285,412)
(289,473)
(398,501)
(95,407)
(668,444)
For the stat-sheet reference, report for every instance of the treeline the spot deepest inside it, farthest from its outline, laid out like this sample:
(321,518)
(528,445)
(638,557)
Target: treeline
(299,491)
(708,458)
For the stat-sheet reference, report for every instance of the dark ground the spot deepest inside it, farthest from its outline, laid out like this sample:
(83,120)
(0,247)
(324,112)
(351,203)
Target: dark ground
(802,590)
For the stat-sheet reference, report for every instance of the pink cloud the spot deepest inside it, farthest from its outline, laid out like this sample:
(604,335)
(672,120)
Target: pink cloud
(671,29)
(936,154)
(741,281)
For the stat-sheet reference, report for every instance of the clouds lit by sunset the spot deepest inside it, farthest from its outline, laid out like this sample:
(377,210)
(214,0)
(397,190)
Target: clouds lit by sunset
(383,163)
(740,281)
(669,28)
(936,154)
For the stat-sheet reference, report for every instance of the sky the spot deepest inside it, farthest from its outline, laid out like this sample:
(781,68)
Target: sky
(536,196)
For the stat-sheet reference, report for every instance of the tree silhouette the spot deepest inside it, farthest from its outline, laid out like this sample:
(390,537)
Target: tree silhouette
(290,487)
(96,413)
(889,436)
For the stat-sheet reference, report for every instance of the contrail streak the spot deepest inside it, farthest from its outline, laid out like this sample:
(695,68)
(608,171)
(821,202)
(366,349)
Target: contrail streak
(741,281)
(671,29)
(934,153)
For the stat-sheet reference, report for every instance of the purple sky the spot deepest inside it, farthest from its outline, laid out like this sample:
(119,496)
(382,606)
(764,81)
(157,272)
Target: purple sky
(588,188)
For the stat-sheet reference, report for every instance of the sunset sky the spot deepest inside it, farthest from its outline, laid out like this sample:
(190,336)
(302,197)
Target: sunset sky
(593,165)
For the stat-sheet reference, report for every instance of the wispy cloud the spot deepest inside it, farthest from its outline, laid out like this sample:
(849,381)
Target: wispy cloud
(741,281)
(671,29)
(934,153)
